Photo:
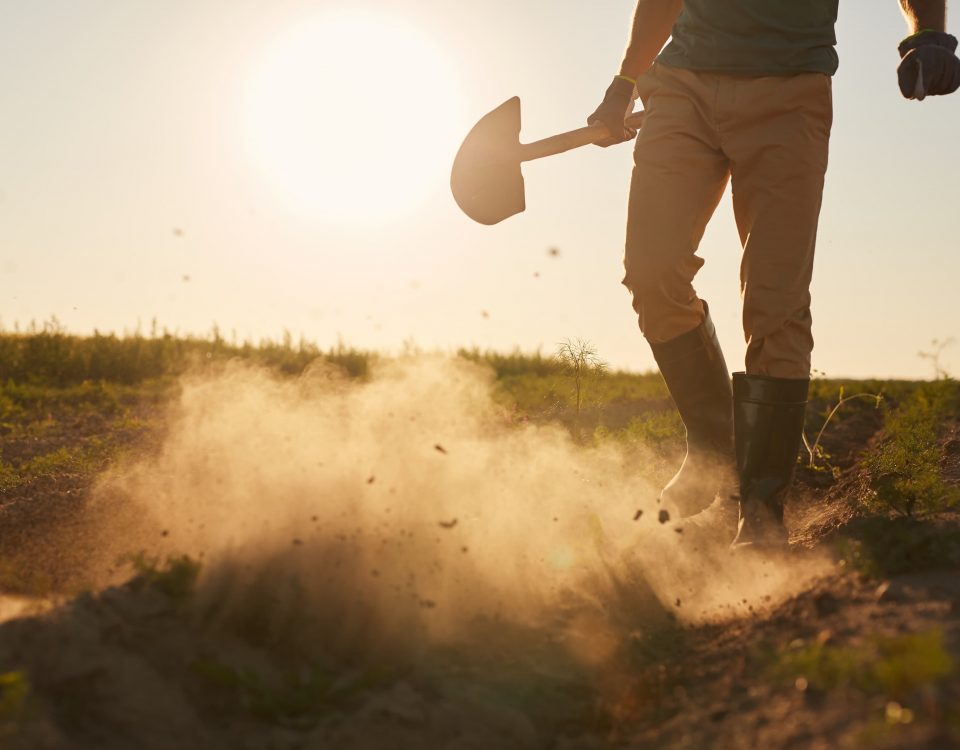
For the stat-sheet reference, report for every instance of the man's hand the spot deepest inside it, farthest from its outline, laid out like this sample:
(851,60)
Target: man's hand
(613,110)
(928,65)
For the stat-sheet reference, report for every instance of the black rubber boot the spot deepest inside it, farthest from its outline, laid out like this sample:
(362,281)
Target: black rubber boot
(768,418)
(696,375)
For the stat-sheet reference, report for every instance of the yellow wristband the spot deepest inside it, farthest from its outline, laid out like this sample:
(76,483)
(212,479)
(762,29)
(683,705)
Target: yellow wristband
(628,79)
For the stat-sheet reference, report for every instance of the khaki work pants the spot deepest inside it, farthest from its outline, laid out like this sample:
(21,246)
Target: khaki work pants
(769,135)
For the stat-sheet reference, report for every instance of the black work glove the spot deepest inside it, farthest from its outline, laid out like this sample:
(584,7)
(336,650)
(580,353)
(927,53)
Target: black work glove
(613,110)
(928,65)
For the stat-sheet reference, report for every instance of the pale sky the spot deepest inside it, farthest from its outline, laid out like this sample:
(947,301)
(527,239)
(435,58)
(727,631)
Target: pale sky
(167,160)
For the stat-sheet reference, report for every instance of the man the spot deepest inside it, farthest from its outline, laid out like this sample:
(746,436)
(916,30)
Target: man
(741,92)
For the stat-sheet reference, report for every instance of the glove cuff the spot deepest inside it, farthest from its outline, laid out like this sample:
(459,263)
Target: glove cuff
(925,37)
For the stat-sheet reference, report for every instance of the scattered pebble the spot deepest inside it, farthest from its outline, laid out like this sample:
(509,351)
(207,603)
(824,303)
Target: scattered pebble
(297,542)
(448,524)
(663,516)
(440,449)
(371,479)
(636,516)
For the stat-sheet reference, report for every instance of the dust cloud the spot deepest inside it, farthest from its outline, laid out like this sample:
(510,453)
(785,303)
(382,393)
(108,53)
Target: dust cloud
(380,517)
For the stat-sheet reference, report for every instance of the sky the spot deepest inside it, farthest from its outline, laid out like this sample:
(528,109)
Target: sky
(284,166)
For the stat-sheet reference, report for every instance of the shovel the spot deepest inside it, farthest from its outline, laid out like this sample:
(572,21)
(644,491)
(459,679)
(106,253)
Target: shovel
(486,179)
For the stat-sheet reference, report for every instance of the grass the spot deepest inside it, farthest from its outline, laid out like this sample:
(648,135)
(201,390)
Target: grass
(880,546)
(14,696)
(301,696)
(83,460)
(52,357)
(894,667)
(176,577)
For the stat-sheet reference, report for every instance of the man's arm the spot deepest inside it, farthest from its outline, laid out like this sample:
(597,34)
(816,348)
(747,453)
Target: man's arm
(652,22)
(928,63)
(925,14)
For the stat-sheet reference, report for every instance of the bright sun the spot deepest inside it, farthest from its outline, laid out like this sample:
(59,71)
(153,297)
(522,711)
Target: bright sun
(350,116)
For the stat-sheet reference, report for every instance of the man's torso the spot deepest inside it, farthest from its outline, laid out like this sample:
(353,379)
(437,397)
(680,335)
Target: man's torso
(755,37)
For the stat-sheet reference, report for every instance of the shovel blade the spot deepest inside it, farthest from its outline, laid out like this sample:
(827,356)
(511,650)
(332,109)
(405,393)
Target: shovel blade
(486,179)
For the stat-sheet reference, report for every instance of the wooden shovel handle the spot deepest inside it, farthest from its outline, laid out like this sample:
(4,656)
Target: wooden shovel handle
(557,144)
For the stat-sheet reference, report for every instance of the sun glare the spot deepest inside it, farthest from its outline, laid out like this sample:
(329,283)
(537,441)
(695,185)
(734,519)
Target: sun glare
(349,117)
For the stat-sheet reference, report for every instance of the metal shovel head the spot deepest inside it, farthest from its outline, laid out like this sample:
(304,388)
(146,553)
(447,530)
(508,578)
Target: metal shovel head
(486,179)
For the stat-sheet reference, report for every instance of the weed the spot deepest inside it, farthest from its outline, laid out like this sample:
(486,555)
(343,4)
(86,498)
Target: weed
(934,355)
(905,467)
(814,449)
(579,359)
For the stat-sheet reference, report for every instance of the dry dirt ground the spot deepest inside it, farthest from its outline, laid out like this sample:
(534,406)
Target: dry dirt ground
(865,657)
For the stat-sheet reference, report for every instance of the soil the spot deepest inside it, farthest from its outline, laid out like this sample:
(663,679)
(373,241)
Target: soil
(137,665)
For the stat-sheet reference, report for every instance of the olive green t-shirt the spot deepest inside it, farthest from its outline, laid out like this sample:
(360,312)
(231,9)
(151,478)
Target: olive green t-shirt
(755,37)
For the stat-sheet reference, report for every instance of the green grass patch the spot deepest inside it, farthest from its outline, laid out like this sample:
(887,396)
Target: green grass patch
(86,459)
(661,430)
(894,667)
(14,698)
(301,695)
(879,547)
(175,577)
